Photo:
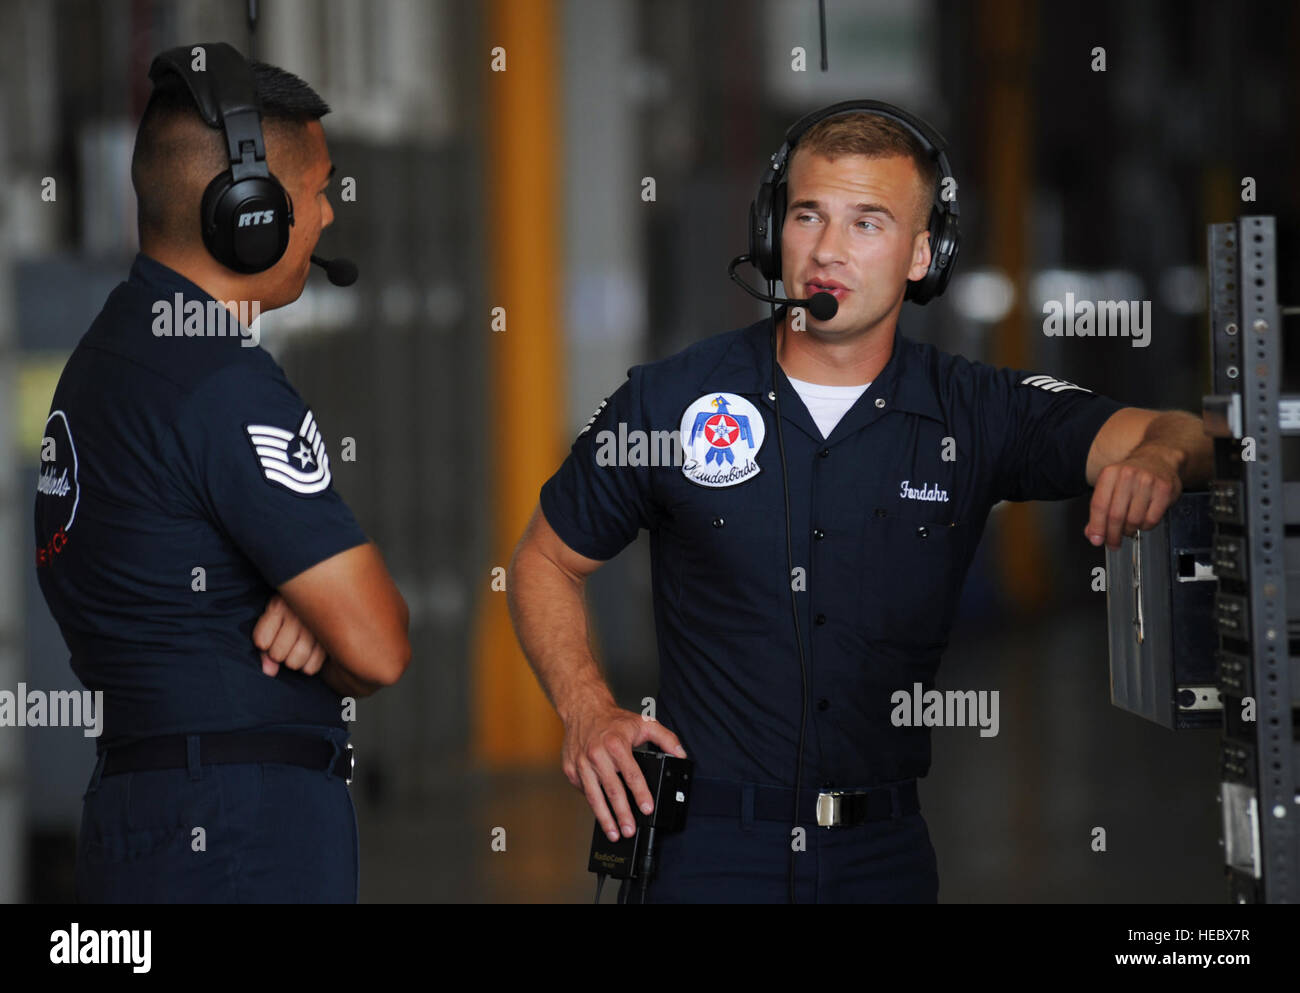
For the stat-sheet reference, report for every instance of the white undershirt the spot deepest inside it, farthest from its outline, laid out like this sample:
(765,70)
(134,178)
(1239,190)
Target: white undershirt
(827,404)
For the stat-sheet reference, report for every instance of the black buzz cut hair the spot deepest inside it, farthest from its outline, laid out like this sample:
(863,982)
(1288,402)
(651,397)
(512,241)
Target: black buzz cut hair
(177,154)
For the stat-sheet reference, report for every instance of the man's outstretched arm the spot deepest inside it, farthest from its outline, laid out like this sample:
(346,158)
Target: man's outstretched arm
(1138,466)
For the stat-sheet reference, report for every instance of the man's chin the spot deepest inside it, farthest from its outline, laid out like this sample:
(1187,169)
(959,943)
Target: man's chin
(842,327)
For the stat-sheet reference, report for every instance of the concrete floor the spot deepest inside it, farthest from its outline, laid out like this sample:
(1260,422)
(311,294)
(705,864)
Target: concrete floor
(1012,817)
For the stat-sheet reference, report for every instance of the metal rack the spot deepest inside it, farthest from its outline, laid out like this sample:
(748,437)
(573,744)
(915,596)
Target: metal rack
(1255,510)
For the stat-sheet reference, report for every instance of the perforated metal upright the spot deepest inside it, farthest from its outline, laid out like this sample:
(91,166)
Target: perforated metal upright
(1255,506)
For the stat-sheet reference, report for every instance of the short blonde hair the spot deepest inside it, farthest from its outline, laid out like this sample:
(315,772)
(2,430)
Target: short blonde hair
(865,133)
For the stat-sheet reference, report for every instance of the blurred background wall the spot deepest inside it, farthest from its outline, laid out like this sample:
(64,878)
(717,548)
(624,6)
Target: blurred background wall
(522,189)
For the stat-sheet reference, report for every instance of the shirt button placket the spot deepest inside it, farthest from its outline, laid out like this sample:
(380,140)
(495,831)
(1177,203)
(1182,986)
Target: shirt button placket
(818,534)
(821,484)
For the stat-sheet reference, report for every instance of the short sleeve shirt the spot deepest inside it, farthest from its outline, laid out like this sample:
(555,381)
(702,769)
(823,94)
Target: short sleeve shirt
(183,478)
(885,515)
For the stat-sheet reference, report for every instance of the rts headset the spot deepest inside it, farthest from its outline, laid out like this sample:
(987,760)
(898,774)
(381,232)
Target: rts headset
(245,213)
(767,210)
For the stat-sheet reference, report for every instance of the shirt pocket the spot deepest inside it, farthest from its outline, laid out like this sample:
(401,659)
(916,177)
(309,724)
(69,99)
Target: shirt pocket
(720,551)
(914,562)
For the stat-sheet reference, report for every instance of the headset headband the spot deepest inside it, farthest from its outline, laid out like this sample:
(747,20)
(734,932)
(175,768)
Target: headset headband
(930,139)
(226,95)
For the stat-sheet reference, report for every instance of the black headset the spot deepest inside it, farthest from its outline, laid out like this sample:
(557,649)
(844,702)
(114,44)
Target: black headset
(246,214)
(767,210)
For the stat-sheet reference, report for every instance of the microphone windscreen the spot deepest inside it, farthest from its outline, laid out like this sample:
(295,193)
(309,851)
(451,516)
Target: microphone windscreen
(823,306)
(343,272)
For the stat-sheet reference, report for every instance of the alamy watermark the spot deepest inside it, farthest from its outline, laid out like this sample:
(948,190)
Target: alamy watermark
(1070,318)
(949,708)
(181,318)
(53,708)
(102,947)
(636,447)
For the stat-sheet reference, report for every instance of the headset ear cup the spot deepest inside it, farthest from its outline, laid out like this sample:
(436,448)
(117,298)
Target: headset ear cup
(777,215)
(209,226)
(949,244)
(761,232)
(246,224)
(944,234)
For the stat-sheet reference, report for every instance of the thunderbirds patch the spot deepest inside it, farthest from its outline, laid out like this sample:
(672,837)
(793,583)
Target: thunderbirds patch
(721,436)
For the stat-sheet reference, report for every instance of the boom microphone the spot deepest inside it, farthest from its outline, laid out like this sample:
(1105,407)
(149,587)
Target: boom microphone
(822,306)
(343,272)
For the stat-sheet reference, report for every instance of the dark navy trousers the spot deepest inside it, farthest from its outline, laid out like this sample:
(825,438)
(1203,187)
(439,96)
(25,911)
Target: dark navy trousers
(738,859)
(270,833)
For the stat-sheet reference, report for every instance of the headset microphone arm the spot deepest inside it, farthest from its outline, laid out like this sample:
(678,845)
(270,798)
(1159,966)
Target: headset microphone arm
(731,274)
(822,306)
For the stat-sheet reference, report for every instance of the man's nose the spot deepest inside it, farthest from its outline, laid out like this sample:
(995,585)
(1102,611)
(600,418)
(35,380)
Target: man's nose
(830,245)
(327,215)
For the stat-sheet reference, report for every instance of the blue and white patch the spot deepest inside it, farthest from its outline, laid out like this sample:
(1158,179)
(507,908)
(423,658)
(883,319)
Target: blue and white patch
(1050,384)
(57,488)
(298,462)
(721,435)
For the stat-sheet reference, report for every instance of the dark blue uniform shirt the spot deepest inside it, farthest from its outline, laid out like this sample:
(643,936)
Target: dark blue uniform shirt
(883,526)
(176,453)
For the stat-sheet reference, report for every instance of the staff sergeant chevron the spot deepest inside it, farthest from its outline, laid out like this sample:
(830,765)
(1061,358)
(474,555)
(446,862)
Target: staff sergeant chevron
(278,450)
(1050,384)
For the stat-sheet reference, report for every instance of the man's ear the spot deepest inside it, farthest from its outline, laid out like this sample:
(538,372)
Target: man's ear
(920,255)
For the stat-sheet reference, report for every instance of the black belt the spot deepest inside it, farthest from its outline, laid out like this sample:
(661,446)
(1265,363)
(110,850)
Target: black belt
(824,808)
(171,752)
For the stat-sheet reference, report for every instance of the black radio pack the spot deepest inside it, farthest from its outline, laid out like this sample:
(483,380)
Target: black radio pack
(669,781)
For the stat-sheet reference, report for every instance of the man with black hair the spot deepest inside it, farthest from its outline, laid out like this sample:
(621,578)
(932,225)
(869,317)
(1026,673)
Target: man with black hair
(203,571)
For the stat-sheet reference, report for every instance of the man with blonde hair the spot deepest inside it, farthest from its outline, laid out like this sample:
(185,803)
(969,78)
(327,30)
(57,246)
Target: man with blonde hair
(783,647)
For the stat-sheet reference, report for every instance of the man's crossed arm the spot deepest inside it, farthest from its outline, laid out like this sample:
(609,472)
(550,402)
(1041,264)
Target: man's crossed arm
(342,618)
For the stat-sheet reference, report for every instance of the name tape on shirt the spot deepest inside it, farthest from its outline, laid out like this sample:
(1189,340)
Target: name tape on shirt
(1050,384)
(721,435)
(298,462)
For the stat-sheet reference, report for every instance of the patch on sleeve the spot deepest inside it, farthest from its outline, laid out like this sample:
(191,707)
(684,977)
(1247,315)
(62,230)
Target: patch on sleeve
(1051,385)
(298,462)
(592,420)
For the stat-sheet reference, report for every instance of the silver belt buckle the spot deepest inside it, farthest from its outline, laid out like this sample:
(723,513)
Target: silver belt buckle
(352,762)
(828,809)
